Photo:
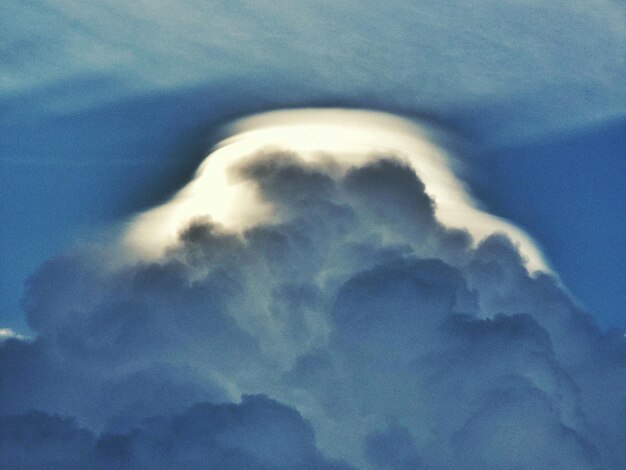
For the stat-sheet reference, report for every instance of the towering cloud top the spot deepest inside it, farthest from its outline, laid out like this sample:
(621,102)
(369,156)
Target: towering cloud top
(312,300)
(333,141)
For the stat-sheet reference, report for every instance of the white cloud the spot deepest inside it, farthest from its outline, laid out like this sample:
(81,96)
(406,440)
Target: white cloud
(8,333)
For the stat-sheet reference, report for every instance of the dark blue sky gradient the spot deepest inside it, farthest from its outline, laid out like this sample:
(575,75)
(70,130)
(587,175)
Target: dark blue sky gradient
(569,193)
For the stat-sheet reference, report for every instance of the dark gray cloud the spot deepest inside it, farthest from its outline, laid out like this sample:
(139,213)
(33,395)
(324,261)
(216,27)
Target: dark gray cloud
(393,448)
(258,434)
(381,338)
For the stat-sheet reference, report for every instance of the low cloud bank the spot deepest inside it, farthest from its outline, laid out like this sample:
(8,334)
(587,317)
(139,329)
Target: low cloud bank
(257,434)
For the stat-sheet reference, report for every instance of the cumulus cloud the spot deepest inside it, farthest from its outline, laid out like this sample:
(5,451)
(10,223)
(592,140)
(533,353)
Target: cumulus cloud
(7,333)
(354,331)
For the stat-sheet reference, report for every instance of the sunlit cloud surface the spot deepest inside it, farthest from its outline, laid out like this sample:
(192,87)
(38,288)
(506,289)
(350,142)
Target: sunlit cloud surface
(331,139)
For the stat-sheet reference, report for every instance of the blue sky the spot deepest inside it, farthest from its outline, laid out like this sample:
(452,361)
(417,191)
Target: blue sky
(569,193)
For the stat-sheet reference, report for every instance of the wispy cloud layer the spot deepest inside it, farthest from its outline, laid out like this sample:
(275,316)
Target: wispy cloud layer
(529,66)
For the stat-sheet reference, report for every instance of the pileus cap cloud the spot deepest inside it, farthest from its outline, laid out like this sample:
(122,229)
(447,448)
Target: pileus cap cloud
(336,139)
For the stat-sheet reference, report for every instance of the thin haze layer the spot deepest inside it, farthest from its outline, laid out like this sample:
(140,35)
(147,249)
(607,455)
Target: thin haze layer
(517,68)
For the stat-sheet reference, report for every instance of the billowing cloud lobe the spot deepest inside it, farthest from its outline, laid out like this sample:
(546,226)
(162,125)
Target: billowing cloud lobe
(353,331)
